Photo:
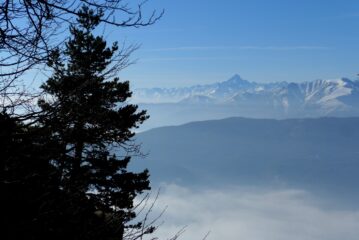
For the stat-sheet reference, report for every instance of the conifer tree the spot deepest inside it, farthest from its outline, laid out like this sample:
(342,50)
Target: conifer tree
(87,117)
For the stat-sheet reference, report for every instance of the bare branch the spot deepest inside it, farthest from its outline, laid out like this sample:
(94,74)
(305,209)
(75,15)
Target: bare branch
(31,29)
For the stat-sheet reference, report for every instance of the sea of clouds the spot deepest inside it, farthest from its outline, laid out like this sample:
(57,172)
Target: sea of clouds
(252,214)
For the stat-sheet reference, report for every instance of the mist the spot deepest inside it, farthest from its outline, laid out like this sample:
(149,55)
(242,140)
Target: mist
(253,214)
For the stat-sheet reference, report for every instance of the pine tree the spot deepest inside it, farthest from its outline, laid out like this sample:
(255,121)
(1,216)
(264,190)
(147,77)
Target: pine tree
(87,117)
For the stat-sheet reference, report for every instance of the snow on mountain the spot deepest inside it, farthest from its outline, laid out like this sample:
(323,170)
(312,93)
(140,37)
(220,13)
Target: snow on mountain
(171,95)
(322,97)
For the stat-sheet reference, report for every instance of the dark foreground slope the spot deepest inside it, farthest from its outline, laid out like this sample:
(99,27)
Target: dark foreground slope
(321,154)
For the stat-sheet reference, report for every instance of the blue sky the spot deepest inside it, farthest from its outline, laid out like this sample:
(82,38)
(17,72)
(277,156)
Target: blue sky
(199,42)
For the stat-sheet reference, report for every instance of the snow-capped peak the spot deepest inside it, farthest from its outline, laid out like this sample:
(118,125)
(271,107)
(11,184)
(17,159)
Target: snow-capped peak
(330,95)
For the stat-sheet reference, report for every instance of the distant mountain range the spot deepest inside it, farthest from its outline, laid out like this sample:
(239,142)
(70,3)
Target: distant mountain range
(319,154)
(238,97)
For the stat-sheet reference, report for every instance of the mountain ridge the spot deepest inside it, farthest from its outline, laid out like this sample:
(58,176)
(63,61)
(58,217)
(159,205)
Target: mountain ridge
(235,84)
(319,152)
(239,97)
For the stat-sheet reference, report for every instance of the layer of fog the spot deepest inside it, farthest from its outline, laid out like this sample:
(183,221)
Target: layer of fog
(252,214)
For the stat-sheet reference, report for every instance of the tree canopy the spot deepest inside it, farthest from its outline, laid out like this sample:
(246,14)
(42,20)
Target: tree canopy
(71,166)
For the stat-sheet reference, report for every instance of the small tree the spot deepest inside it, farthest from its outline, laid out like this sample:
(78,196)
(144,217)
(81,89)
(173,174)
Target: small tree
(86,114)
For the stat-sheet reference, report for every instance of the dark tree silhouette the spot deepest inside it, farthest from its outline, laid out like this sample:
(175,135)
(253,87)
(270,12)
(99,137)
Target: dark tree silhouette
(59,174)
(33,203)
(86,113)
(31,29)
(36,206)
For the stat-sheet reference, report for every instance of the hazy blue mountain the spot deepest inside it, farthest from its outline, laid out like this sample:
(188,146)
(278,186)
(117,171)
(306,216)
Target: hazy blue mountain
(322,154)
(238,97)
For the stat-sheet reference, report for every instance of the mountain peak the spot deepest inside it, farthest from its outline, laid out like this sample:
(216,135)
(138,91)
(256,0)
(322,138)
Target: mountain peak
(341,81)
(235,78)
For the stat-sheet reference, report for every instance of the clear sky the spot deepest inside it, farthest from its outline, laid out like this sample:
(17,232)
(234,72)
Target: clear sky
(205,41)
